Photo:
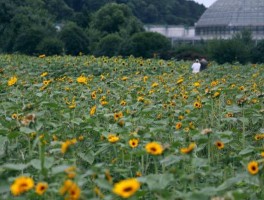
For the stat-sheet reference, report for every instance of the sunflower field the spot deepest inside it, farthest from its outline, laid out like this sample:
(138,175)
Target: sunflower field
(82,127)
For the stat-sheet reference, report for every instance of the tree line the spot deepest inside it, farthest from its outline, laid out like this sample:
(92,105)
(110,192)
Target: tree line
(105,27)
(240,48)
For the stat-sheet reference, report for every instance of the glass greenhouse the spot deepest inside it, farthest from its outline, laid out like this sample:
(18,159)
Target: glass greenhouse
(226,17)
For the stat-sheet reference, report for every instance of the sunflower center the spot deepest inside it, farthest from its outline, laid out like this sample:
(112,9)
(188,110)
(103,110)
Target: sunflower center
(42,188)
(72,192)
(153,149)
(23,185)
(254,168)
(128,189)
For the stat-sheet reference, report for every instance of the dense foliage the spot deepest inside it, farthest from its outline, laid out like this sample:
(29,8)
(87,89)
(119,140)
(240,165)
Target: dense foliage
(21,21)
(110,128)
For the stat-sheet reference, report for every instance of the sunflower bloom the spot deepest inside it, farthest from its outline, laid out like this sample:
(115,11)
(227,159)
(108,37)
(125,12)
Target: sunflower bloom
(112,138)
(44,74)
(133,143)
(93,95)
(216,94)
(197,104)
(180,81)
(196,84)
(178,125)
(14,116)
(154,148)
(126,188)
(252,167)
(188,149)
(145,78)
(21,184)
(219,145)
(82,79)
(123,103)
(118,115)
(70,190)
(12,81)
(155,84)
(124,78)
(65,145)
(93,110)
(41,188)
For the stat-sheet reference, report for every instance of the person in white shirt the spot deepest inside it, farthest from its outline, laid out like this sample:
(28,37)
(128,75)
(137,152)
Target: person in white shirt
(196,66)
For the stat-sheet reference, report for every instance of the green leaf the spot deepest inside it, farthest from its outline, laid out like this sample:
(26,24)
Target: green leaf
(230,182)
(244,120)
(104,184)
(3,145)
(59,169)
(18,166)
(77,121)
(88,157)
(26,130)
(158,181)
(36,163)
(247,150)
(170,160)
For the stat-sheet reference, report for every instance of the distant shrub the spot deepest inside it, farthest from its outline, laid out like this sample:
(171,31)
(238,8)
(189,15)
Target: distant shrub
(257,55)
(74,39)
(27,42)
(50,46)
(229,51)
(109,45)
(146,44)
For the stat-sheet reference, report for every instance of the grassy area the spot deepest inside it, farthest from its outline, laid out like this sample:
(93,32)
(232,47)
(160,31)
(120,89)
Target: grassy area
(110,128)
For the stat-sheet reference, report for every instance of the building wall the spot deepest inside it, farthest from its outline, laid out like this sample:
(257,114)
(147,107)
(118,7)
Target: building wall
(172,31)
(182,33)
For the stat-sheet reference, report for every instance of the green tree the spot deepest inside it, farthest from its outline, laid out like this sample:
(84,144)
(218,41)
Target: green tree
(22,16)
(257,55)
(145,44)
(50,46)
(27,41)
(113,17)
(228,51)
(109,45)
(74,39)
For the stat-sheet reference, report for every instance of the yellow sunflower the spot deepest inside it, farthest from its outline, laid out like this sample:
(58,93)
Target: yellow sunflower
(12,81)
(252,167)
(133,143)
(112,138)
(82,79)
(197,104)
(154,148)
(41,188)
(70,190)
(123,103)
(21,184)
(93,110)
(219,144)
(188,149)
(178,125)
(126,188)
(93,95)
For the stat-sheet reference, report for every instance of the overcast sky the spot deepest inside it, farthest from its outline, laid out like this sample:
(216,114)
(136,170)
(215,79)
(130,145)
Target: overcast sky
(207,3)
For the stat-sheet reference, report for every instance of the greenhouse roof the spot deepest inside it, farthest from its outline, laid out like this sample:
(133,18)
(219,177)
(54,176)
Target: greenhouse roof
(233,13)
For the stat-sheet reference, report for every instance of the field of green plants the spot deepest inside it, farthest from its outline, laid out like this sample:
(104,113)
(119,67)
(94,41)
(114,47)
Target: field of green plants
(80,128)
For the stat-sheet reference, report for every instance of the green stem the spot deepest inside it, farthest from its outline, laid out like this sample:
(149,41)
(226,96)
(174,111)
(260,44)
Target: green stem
(42,158)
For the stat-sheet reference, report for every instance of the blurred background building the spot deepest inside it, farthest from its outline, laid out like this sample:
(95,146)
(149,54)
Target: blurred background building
(222,20)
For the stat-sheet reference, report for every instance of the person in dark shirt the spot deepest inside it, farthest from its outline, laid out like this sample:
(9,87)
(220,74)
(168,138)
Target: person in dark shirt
(203,63)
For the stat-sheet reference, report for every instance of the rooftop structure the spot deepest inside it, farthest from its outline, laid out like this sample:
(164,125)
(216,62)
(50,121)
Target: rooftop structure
(226,17)
(222,20)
